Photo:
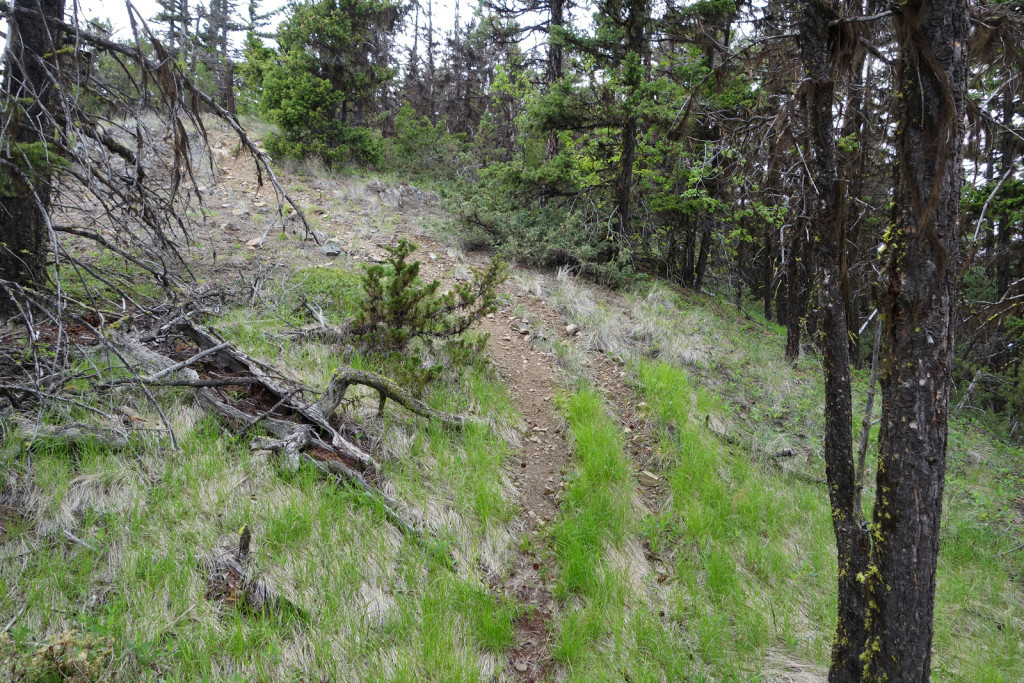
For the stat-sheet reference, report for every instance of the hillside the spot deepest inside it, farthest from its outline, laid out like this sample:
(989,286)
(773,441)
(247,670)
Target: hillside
(637,493)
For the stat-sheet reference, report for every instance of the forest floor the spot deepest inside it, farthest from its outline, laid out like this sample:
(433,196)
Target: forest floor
(641,500)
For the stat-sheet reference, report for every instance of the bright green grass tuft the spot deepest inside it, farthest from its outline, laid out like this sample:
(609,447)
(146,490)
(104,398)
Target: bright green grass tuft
(608,630)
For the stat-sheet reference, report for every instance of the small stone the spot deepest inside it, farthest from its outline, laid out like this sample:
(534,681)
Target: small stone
(532,514)
(332,248)
(254,242)
(491,316)
(506,338)
(647,478)
(534,439)
(571,330)
(641,404)
(433,256)
(521,667)
(523,328)
(549,490)
(462,275)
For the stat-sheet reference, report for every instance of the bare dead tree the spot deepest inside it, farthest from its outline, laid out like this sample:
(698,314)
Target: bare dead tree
(104,148)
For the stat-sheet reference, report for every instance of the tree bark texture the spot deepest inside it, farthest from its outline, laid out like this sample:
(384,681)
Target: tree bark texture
(635,34)
(817,45)
(23,234)
(921,248)
(796,290)
(554,65)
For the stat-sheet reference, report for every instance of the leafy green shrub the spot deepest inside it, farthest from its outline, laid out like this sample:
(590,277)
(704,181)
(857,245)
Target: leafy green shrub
(304,106)
(398,309)
(400,314)
(418,145)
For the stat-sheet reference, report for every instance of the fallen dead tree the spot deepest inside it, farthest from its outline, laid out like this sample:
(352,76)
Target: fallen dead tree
(301,431)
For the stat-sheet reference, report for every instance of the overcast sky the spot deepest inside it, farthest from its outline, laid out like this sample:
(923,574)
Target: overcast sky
(117,12)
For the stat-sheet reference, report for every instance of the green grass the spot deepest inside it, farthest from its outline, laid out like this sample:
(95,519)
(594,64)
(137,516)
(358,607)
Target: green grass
(725,571)
(380,606)
(748,550)
(608,628)
(757,547)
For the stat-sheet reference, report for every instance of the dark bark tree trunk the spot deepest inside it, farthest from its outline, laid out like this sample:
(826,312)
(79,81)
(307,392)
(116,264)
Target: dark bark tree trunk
(635,34)
(688,249)
(1005,222)
(781,293)
(796,297)
(554,65)
(23,234)
(918,300)
(702,256)
(817,42)
(768,275)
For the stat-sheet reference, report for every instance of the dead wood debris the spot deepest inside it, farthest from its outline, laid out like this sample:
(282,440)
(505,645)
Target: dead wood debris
(232,579)
(300,431)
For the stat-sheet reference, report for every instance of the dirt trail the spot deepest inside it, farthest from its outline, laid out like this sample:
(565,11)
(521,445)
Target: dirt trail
(530,374)
(530,377)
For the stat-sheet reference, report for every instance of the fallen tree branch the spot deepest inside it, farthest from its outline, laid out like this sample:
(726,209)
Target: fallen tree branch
(233,360)
(292,438)
(291,446)
(186,363)
(344,377)
(73,433)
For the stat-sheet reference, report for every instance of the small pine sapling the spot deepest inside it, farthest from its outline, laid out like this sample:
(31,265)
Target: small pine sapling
(399,310)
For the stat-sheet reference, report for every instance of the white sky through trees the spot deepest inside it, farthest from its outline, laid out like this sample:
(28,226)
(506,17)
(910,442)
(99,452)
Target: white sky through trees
(116,12)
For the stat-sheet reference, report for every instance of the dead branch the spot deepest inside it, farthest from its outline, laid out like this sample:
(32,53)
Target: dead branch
(344,377)
(231,578)
(301,434)
(75,434)
(233,360)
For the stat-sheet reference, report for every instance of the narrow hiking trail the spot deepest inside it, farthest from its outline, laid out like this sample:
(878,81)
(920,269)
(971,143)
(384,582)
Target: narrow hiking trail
(355,220)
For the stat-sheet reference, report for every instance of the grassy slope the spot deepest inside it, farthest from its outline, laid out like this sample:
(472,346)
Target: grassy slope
(742,545)
(748,541)
(382,607)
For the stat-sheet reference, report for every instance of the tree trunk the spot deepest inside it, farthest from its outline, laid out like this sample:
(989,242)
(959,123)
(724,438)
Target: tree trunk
(554,66)
(769,272)
(796,298)
(918,301)
(829,239)
(23,234)
(635,35)
(702,256)
(690,244)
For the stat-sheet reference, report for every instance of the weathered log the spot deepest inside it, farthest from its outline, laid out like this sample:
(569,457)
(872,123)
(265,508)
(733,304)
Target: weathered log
(76,434)
(290,435)
(233,360)
(232,578)
(344,377)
